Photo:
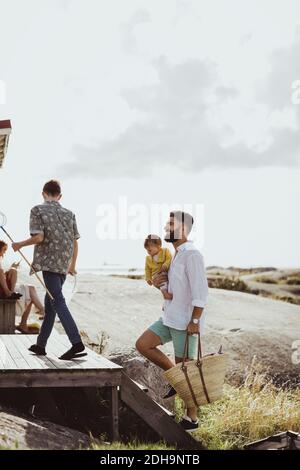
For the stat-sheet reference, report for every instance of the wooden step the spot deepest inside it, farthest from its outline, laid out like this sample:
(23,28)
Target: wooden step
(156,416)
(141,386)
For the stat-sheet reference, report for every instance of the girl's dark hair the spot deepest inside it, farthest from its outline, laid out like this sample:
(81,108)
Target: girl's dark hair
(152,239)
(2,244)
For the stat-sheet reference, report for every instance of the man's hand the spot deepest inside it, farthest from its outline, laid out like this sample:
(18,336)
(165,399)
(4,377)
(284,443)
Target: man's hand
(159,279)
(149,282)
(16,246)
(192,328)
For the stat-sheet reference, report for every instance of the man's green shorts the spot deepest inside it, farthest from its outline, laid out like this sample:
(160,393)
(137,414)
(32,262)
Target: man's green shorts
(167,334)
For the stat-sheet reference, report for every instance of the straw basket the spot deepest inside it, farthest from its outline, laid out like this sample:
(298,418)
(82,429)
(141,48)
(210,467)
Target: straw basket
(200,381)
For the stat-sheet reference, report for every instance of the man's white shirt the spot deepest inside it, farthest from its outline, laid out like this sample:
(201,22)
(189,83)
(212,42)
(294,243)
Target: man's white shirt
(188,284)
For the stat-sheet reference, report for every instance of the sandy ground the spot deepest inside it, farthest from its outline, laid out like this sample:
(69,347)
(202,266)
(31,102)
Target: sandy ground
(246,325)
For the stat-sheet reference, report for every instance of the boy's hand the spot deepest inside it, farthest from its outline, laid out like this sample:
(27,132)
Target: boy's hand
(16,246)
(149,282)
(72,270)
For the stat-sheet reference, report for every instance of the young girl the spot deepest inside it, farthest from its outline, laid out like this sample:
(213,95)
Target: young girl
(158,260)
(8,279)
(26,294)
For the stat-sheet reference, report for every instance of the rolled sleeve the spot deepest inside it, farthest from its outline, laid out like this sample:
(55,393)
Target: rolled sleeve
(75,229)
(197,280)
(36,224)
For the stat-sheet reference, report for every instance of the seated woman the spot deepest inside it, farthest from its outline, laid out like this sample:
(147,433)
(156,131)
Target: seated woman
(25,294)
(8,279)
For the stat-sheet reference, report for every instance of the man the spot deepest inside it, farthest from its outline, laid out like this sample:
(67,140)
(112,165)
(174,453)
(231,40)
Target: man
(184,313)
(54,233)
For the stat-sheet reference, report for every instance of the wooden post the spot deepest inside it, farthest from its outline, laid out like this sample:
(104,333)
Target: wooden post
(7,316)
(114,401)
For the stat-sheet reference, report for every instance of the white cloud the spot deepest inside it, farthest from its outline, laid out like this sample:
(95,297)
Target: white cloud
(193,121)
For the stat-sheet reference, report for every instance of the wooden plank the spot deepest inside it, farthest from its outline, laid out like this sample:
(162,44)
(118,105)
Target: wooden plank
(22,344)
(9,354)
(50,360)
(155,417)
(93,359)
(7,316)
(1,317)
(114,413)
(141,386)
(34,361)
(17,355)
(165,410)
(59,378)
(55,346)
(54,350)
(62,344)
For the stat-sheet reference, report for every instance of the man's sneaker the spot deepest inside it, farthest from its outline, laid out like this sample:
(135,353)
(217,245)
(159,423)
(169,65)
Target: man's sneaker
(38,350)
(77,350)
(170,393)
(188,424)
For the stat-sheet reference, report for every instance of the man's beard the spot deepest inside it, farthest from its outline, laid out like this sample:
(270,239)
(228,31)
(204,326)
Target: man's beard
(172,236)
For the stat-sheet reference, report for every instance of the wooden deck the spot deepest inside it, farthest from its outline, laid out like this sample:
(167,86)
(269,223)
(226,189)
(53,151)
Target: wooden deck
(21,368)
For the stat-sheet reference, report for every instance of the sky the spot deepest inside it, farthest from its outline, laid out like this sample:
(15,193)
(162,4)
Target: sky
(138,107)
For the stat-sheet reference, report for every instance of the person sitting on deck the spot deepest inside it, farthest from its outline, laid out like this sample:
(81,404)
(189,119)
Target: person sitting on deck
(54,234)
(8,279)
(25,294)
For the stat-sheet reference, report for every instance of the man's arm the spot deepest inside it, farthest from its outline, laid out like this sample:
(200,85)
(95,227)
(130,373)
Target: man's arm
(72,267)
(34,240)
(199,289)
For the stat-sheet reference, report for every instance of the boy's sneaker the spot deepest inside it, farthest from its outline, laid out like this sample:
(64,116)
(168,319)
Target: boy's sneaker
(171,392)
(188,424)
(38,350)
(77,350)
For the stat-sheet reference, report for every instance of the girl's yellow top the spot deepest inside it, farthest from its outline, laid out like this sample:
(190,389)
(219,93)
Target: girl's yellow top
(152,266)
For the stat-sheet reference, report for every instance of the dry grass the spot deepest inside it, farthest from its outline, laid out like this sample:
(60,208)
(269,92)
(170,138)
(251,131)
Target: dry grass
(228,283)
(266,280)
(253,411)
(131,446)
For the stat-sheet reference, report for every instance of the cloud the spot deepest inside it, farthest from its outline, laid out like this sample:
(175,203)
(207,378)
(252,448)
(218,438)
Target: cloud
(175,129)
(127,29)
(284,69)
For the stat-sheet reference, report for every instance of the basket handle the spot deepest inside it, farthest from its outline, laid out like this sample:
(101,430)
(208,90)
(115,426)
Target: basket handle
(186,349)
(199,366)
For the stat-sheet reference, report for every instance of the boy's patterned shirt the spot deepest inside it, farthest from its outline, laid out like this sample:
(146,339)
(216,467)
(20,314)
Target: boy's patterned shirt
(59,227)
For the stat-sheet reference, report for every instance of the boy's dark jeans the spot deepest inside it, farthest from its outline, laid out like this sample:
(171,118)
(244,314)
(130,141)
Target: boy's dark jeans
(54,283)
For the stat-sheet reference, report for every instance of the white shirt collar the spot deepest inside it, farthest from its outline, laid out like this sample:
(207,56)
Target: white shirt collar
(185,246)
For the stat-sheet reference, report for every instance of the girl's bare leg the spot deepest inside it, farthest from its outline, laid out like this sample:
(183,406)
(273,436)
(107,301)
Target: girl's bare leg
(23,323)
(3,284)
(36,301)
(11,277)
